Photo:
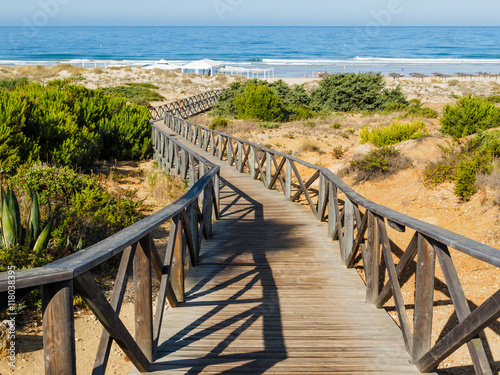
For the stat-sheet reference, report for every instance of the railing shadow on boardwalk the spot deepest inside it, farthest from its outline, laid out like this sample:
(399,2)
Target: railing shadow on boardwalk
(267,308)
(365,233)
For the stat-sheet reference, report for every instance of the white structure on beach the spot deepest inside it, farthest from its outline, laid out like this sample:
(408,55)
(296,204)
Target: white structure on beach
(249,73)
(162,65)
(201,66)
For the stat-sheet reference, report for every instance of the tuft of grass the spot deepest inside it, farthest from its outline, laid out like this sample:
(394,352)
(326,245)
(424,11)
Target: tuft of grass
(376,165)
(339,151)
(309,145)
(269,125)
(144,85)
(336,125)
(395,133)
(134,94)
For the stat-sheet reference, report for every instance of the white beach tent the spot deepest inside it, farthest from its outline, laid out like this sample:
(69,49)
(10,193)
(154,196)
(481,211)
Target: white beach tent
(162,65)
(254,72)
(202,65)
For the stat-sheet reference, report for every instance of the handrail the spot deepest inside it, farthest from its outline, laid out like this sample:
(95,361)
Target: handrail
(187,107)
(364,237)
(190,221)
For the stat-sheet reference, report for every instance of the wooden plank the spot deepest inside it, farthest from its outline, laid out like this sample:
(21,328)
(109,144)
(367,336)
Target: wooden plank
(462,309)
(86,287)
(143,300)
(304,188)
(405,261)
(424,298)
(396,288)
(372,265)
(288,179)
(348,229)
(277,173)
(472,324)
(119,289)
(322,197)
(177,265)
(359,241)
(58,328)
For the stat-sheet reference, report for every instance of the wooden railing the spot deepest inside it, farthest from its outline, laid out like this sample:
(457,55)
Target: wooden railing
(190,221)
(187,107)
(365,232)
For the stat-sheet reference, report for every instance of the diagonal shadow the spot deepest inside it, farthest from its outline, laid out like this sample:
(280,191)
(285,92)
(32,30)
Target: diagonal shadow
(238,309)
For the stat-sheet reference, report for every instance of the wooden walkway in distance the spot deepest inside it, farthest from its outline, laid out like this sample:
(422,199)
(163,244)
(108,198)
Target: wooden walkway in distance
(271,295)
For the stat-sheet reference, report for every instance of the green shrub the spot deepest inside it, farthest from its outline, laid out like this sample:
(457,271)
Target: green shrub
(355,92)
(339,151)
(84,212)
(219,122)
(22,247)
(136,94)
(493,98)
(69,125)
(468,116)
(377,164)
(144,85)
(460,164)
(336,125)
(270,125)
(10,84)
(465,175)
(259,103)
(395,133)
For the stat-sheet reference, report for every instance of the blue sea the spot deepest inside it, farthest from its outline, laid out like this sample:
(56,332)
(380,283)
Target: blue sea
(292,51)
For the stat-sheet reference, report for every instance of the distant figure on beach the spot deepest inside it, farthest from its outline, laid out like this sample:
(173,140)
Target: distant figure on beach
(314,74)
(305,75)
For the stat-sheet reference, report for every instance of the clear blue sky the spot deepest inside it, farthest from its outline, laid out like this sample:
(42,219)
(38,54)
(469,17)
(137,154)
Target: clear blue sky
(251,12)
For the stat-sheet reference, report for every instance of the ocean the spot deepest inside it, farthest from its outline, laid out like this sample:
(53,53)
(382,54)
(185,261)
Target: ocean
(291,51)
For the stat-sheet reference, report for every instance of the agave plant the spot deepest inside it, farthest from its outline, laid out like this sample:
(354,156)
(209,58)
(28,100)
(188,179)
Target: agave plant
(13,233)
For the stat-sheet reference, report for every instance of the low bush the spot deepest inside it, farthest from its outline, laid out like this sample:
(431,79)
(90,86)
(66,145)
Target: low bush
(339,151)
(468,116)
(259,102)
(84,212)
(137,94)
(9,84)
(269,125)
(395,133)
(493,98)
(355,92)
(461,163)
(377,164)
(69,125)
(144,85)
(219,122)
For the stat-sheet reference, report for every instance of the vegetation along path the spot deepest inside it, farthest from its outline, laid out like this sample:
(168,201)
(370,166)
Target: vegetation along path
(270,294)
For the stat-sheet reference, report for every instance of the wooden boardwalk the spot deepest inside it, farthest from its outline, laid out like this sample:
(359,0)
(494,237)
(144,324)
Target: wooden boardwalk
(271,295)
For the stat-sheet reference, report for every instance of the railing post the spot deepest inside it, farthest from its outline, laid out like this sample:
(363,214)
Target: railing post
(58,328)
(220,147)
(332,212)
(348,228)
(184,165)
(212,144)
(143,300)
(322,196)
(424,298)
(193,212)
(269,169)
(252,163)
(373,260)
(240,157)
(288,180)
(207,211)
(217,196)
(229,152)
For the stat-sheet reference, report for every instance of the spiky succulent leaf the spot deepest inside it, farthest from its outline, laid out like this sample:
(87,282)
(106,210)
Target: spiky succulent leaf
(8,225)
(15,212)
(41,241)
(35,218)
